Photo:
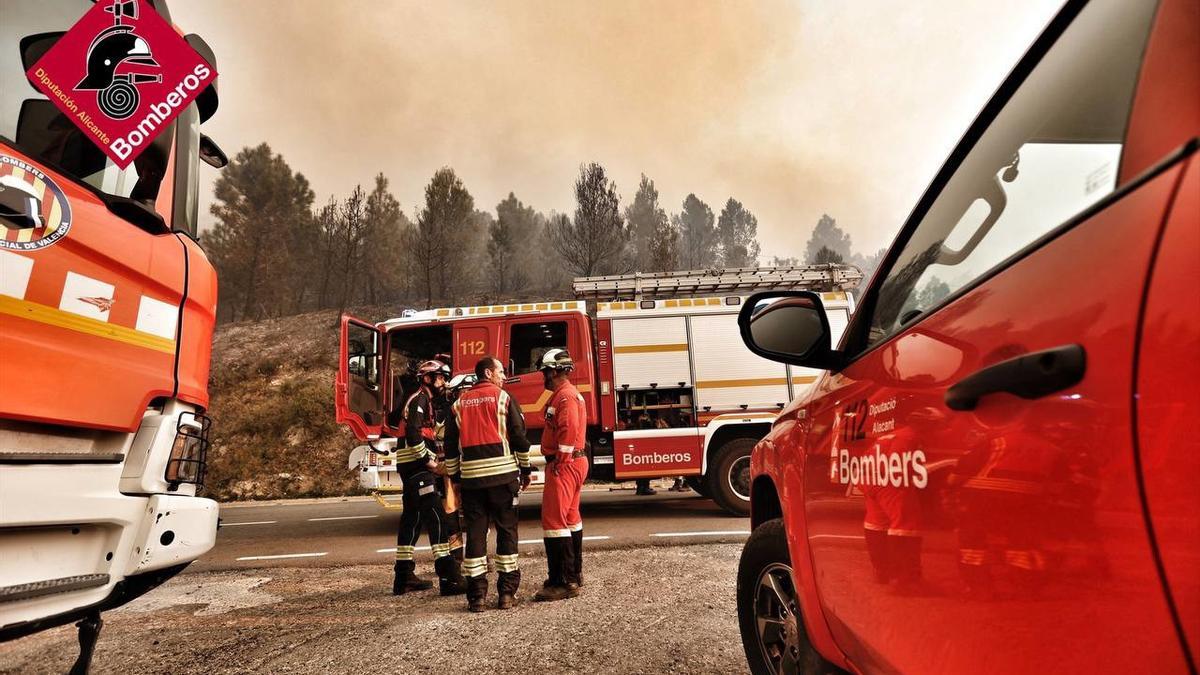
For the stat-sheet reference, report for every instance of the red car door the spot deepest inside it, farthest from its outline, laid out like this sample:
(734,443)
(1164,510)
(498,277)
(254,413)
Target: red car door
(971,491)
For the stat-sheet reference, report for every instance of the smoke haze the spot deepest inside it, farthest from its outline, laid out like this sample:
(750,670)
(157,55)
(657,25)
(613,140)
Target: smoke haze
(794,108)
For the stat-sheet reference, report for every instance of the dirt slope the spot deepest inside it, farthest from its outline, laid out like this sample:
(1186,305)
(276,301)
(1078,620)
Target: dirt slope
(274,434)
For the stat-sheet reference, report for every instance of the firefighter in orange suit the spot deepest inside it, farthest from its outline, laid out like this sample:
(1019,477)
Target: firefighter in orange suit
(487,454)
(415,463)
(563,440)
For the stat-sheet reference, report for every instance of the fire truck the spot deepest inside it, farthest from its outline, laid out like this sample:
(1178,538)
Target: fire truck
(669,386)
(107,307)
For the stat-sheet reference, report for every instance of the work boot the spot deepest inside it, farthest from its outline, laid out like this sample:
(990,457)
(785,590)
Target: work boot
(877,550)
(552,593)
(577,546)
(644,489)
(450,578)
(506,601)
(476,605)
(407,581)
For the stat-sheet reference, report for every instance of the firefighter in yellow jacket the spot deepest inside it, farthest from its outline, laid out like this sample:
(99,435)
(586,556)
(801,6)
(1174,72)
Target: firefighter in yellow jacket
(415,463)
(488,455)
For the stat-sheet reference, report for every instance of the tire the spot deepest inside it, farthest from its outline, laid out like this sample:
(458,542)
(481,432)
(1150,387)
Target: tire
(728,478)
(773,634)
(698,485)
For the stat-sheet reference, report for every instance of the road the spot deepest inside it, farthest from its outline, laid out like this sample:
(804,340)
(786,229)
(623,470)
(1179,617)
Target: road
(334,533)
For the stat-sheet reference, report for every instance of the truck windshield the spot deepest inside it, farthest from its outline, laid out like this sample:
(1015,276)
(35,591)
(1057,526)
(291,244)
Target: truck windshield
(37,127)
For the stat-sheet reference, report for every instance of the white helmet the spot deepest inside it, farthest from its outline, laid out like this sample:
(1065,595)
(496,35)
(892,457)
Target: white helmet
(556,359)
(462,381)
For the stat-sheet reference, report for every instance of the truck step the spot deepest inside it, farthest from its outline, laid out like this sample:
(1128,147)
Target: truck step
(37,589)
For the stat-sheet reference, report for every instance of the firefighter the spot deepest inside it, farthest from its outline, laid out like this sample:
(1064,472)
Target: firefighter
(487,454)
(416,463)
(563,440)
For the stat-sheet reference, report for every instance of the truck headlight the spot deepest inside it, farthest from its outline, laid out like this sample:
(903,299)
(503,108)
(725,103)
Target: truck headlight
(189,453)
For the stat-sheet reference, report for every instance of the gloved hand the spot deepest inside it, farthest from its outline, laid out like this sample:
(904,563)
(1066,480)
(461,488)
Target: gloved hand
(525,481)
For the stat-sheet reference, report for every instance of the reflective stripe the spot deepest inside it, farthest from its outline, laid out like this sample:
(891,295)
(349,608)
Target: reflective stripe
(577,527)
(972,556)
(566,449)
(554,534)
(506,563)
(440,550)
(502,420)
(404,553)
(412,453)
(1004,485)
(474,567)
(488,467)
(452,465)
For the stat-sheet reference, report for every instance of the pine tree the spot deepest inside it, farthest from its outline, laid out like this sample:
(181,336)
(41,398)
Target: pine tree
(737,233)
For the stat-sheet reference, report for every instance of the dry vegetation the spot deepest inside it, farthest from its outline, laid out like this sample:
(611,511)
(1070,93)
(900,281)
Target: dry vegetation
(274,433)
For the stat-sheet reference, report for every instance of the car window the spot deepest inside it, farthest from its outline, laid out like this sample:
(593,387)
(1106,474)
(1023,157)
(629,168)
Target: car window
(1052,151)
(531,340)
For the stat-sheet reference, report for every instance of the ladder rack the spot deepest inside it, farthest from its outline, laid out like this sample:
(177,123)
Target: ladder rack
(656,285)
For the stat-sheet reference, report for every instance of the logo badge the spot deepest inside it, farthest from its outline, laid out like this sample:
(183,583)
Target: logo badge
(34,212)
(121,74)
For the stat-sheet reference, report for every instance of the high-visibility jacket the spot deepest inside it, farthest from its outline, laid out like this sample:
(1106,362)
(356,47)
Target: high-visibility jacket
(418,430)
(485,438)
(566,422)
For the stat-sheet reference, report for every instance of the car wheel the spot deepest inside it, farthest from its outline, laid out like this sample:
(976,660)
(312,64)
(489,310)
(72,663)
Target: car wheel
(728,478)
(772,628)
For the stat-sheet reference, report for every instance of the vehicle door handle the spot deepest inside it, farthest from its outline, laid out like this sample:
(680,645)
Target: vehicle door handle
(1029,376)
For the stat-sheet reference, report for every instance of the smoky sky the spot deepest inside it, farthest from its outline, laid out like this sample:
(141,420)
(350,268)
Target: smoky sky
(794,108)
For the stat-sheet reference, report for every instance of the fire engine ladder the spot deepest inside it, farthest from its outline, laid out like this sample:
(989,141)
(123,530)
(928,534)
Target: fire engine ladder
(730,281)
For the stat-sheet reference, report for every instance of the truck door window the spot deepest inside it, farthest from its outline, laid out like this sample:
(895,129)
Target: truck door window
(1051,152)
(362,352)
(528,341)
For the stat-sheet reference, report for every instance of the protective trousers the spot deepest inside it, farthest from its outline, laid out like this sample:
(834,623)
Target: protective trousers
(483,507)
(561,521)
(423,508)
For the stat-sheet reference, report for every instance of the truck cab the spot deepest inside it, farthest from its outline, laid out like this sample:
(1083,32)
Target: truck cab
(996,477)
(107,307)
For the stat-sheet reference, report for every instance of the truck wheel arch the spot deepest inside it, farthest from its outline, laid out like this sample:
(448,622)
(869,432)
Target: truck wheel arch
(764,502)
(719,433)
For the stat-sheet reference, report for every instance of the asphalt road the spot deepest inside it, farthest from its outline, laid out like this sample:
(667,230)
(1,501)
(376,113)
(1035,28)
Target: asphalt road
(352,532)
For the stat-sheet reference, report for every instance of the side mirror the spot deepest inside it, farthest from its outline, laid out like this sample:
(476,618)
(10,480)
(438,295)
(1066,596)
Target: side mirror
(212,154)
(207,101)
(789,327)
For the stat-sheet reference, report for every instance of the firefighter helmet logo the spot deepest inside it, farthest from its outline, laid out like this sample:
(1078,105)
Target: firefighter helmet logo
(113,60)
(122,74)
(34,212)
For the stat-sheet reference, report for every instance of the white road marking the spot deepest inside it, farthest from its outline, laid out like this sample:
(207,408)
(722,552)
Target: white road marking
(598,537)
(280,557)
(393,549)
(836,536)
(712,533)
(253,522)
(342,518)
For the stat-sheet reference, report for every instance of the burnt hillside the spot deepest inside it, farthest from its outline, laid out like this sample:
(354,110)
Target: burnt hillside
(274,433)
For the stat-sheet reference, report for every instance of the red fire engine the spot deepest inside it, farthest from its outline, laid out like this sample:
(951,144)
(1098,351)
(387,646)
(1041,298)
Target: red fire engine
(107,306)
(669,387)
